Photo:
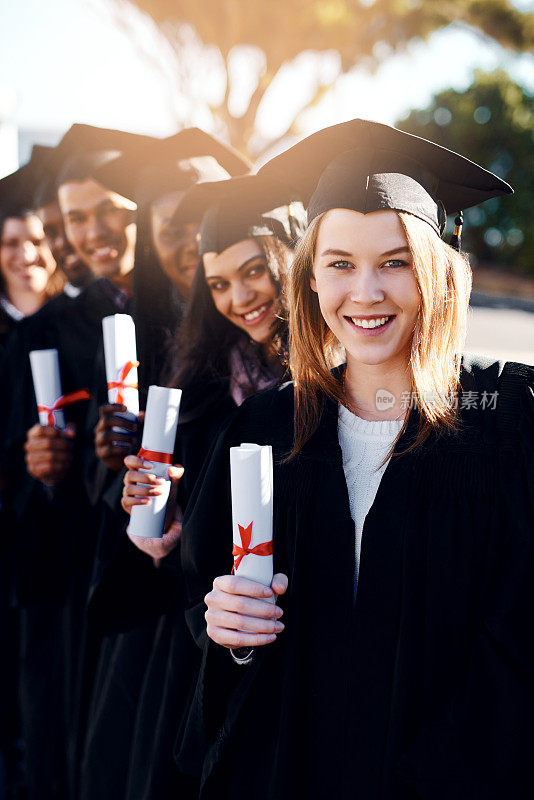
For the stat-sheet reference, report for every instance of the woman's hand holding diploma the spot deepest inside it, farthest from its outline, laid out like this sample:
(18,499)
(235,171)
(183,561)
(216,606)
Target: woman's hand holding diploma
(241,612)
(139,488)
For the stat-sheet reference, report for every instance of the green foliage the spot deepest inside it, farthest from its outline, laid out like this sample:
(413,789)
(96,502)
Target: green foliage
(284,28)
(363,32)
(492,123)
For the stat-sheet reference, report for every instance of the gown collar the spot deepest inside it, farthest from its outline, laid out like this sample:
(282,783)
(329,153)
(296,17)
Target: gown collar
(324,442)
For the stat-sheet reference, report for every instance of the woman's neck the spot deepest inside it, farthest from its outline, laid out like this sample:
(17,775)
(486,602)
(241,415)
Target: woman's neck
(378,391)
(27,302)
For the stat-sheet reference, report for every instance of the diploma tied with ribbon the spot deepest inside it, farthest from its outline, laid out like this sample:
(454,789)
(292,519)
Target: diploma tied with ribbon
(159,435)
(47,385)
(251,473)
(120,354)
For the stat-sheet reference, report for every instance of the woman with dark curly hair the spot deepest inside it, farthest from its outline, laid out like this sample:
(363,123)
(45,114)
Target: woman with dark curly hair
(231,344)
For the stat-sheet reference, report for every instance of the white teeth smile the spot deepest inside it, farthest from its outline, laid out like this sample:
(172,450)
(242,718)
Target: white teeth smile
(105,252)
(252,315)
(370,323)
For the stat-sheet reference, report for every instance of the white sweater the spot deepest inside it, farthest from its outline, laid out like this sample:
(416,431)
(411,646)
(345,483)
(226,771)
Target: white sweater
(364,444)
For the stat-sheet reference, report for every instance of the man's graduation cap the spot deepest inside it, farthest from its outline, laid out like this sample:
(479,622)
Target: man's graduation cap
(17,190)
(238,208)
(84,149)
(149,169)
(367,166)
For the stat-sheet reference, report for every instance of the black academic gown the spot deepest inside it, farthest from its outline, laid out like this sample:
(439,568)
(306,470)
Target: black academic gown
(121,639)
(54,544)
(9,726)
(148,659)
(174,659)
(424,688)
(7,325)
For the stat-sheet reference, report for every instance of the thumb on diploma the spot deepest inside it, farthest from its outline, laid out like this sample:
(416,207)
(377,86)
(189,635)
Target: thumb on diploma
(279,583)
(175,472)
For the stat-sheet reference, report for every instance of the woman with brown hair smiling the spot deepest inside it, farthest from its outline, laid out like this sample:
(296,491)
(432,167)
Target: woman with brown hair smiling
(28,275)
(403,513)
(27,269)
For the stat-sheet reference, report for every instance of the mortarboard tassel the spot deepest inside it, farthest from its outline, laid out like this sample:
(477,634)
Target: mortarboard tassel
(295,224)
(456,238)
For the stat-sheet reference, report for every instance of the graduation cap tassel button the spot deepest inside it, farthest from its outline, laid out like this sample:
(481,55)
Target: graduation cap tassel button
(456,238)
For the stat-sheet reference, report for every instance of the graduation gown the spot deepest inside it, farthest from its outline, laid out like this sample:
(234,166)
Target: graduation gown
(7,325)
(53,558)
(148,660)
(423,689)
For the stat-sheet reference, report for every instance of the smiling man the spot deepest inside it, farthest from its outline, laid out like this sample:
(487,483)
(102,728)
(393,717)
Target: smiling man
(77,272)
(99,223)
(92,230)
(97,241)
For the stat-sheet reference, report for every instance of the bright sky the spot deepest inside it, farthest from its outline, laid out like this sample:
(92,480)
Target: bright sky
(65,61)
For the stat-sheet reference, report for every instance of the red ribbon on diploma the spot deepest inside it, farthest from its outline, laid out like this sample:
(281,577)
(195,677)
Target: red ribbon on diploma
(61,402)
(121,384)
(240,551)
(153,455)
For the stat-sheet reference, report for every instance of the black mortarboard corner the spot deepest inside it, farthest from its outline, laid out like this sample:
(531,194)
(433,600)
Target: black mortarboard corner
(84,150)
(367,166)
(149,169)
(17,190)
(240,208)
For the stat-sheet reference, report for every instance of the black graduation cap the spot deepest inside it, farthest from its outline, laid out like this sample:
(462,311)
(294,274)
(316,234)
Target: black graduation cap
(368,166)
(241,207)
(84,149)
(45,189)
(148,169)
(17,190)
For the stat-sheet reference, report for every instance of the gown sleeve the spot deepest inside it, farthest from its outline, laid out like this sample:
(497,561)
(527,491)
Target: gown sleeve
(206,553)
(207,532)
(97,476)
(479,742)
(128,587)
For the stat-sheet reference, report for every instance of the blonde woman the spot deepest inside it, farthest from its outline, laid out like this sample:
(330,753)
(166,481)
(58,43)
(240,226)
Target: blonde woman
(395,663)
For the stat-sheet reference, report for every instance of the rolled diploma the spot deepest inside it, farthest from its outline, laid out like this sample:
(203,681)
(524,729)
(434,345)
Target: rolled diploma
(47,384)
(159,435)
(251,473)
(119,349)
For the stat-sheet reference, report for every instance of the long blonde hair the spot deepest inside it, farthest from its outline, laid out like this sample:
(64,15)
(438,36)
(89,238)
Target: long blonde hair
(444,279)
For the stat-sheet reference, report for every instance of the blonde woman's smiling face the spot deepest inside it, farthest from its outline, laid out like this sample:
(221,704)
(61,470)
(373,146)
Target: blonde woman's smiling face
(367,290)
(242,288)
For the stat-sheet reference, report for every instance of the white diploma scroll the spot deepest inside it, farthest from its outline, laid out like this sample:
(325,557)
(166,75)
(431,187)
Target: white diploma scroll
(251,471)
(159,435)
(47,385)
(120,355)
